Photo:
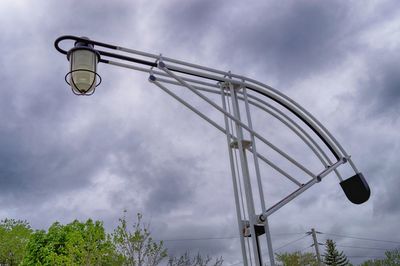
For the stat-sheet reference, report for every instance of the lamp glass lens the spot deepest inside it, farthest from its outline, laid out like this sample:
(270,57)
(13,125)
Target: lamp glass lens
(83,65)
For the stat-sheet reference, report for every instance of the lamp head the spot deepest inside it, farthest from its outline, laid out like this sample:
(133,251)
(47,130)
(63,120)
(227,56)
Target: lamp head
(83,76)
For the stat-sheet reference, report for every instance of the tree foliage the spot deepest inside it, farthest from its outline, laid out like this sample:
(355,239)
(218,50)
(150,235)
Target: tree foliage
(76,243)
(14,236)
(198,260)
(87,243)
(137,246)
(332,256)
(392,258)
(296,259)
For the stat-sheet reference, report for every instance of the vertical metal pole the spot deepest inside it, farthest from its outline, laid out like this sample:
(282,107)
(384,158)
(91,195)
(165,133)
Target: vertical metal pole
(316,245)
(259,183)
(258,247)
(235,189)
(246,176)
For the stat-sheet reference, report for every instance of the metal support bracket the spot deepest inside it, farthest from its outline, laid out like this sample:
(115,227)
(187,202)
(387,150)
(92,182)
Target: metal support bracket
(246,144)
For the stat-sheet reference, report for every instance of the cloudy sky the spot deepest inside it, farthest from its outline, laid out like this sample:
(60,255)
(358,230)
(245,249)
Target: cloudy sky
(131,146)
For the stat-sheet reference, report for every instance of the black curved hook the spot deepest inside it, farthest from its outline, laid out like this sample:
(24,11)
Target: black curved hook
(79,39)
(104,53)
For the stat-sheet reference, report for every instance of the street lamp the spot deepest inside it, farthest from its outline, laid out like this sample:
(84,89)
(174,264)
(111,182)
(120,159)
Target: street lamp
(83,77)
(238,94)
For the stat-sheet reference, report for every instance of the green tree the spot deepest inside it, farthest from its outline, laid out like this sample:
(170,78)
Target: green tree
(296,259)
(76,243)
(392,258)
(137,246)
(373,263)
(14,236)
(332,256)
(198,260)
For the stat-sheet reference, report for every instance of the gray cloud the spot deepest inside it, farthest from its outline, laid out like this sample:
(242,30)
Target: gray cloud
(170,189)
(387,203)
(380,90)
(295,40)
(134,148)
(289,41)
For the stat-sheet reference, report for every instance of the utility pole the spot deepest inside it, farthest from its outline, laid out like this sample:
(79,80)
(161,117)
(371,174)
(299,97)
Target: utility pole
(316,245)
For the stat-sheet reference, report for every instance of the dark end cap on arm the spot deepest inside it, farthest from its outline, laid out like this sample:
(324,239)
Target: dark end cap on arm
(356,189)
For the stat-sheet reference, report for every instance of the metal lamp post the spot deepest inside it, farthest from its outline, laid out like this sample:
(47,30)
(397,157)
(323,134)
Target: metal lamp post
(238,95)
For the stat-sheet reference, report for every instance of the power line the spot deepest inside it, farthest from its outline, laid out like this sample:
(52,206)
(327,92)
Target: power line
(287,234)
(344,246)
(217,238)
(199,239)
(279,234)
(287,244)
(305,248)
(364,238)
(369,257)
(291,242)
(296,240)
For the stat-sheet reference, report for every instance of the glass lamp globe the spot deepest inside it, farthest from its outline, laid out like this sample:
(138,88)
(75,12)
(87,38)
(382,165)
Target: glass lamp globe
(83,68)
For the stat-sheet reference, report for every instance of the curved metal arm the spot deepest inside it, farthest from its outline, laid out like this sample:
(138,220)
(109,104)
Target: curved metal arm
(197,71)
(272,94)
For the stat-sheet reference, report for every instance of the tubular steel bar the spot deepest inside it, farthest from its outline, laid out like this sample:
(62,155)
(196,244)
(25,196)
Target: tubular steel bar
(252,102)
(271,164)
(246,177)
(251,96)
(153,80)
(278,114)
(258,175)
(272,146)
(273,111)
(267,91)
(300,190)
(235,188)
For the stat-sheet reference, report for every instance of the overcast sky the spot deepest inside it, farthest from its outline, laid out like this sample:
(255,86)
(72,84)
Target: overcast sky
(131,146)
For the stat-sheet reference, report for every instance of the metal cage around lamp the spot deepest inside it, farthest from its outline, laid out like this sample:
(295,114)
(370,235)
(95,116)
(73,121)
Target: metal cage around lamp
(83,77)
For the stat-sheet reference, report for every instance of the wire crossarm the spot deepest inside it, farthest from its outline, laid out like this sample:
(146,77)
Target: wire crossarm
(240,97)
